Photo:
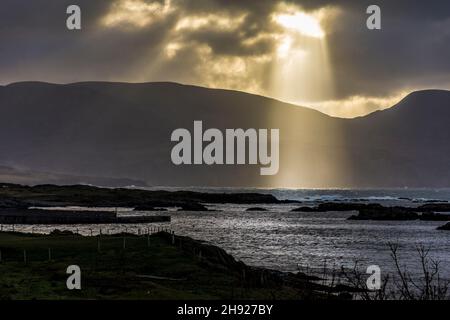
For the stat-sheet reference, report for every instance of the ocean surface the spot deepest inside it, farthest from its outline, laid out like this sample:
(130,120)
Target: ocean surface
(308,242)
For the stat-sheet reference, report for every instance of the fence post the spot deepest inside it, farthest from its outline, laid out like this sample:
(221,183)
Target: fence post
(148,241)
(173,238)
(25,256)
(124,242)
(49,254)
(98,244)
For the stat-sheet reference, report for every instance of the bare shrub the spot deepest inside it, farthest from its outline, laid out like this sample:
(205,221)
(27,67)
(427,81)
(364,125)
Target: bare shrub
(429,286)
(401,285)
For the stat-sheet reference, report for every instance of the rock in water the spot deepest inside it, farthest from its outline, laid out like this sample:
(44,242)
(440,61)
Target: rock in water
(386,213)
(444,227)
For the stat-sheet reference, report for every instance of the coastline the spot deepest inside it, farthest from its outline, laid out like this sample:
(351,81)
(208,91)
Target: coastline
(174,267)
(194,216)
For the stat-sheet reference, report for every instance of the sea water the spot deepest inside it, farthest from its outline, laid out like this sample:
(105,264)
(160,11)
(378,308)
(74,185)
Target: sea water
(307,241)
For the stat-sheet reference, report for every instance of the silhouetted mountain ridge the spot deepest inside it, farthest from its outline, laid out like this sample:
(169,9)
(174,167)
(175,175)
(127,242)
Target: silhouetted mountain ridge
(122,130)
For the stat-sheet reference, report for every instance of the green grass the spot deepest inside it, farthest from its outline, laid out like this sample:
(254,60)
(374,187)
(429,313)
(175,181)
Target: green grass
(114,272)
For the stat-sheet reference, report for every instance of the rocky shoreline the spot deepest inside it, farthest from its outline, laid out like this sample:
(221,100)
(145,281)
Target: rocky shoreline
(169,251)
(257,276)
(19,196)
(375,211)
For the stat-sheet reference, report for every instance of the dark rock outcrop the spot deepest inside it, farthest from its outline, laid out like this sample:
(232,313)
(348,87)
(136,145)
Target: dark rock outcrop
(436,207)
(192,206)
(379,212)
(432,216)
(58,232)
(444,227)
(385,213)
(338,206)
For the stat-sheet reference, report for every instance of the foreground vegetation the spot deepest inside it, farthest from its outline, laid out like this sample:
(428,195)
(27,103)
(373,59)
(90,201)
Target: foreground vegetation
(431,284)
(163,266)
(132,267)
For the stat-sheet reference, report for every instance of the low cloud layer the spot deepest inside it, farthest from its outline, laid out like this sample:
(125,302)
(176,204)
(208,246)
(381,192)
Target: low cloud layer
(318,53)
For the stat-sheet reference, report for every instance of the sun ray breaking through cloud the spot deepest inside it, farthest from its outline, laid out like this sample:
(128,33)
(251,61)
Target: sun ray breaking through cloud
(311,53)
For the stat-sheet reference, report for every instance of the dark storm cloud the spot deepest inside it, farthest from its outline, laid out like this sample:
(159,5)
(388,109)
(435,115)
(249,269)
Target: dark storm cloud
(231,43)
(37,46)
(411,51)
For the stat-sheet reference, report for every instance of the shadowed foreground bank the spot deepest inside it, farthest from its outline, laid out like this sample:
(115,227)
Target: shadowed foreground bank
(125,266)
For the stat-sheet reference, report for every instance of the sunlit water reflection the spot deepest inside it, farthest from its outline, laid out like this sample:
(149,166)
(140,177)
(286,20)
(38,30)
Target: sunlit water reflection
(290,241)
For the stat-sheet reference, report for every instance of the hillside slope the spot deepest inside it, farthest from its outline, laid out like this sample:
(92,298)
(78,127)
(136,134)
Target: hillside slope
(122,131)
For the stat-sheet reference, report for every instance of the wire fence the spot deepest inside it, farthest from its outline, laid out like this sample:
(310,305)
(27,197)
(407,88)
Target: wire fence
(87,230)
(72,242)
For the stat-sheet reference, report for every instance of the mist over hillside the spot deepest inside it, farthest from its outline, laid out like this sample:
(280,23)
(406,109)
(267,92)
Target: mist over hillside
(122,131)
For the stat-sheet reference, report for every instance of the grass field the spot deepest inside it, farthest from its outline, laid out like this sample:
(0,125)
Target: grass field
(144,267)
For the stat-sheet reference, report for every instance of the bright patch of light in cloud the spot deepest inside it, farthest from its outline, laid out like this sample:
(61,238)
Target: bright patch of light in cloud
(284,46)
(172,49)
(302,23)
(136,13)
(357,106)
(210,21)
(287,59)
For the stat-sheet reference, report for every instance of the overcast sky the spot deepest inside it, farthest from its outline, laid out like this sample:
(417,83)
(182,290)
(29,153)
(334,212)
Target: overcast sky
(312,52)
